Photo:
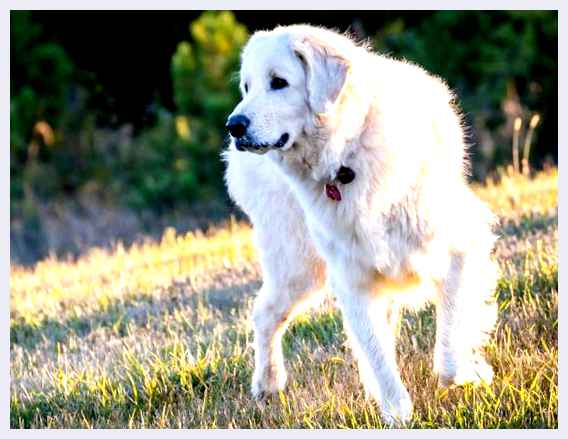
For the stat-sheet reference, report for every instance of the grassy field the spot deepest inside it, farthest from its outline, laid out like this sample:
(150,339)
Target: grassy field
(158,335)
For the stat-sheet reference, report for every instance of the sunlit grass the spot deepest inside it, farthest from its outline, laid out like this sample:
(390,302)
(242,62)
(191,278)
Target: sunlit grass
(157,335)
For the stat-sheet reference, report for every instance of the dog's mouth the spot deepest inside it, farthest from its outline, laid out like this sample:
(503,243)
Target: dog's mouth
(245,144)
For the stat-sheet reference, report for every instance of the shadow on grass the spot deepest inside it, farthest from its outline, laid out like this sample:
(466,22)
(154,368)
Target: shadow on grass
(528,225)
(120,314)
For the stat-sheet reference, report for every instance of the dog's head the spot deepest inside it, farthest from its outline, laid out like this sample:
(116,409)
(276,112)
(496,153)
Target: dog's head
(291,79)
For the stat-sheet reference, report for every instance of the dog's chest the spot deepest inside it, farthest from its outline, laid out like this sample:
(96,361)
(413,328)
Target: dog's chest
(348,232)
(348,224)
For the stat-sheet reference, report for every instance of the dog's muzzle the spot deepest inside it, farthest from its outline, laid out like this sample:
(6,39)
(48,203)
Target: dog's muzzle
(245,144)
(237,126)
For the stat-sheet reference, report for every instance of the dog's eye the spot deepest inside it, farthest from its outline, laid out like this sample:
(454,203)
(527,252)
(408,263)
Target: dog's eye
(246,88)
(277,83)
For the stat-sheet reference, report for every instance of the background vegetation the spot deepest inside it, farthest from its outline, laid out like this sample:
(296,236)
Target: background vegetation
(116,134)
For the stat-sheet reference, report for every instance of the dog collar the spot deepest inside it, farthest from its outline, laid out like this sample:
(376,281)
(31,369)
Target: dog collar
(344,175)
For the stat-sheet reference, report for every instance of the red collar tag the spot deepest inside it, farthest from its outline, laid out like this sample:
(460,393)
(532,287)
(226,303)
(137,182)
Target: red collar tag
(332,192)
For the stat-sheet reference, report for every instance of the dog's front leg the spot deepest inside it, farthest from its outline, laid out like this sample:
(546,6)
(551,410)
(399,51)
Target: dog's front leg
(271,315)
(369,327)
(274,308)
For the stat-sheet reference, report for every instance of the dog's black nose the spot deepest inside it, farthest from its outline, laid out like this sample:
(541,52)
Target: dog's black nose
(237,125)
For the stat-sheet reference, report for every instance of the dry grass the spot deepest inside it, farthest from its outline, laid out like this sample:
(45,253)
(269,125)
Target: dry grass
(158,336)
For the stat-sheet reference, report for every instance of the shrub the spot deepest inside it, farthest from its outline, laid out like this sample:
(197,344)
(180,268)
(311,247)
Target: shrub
(39,82)
(178,159)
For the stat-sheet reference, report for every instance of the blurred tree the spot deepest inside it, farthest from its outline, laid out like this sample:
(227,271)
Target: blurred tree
(501,64)
(182,158)
(40,74)
(39,79)
(204,83)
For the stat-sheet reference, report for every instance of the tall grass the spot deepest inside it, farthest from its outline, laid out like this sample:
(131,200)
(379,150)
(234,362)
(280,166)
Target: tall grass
(158,335)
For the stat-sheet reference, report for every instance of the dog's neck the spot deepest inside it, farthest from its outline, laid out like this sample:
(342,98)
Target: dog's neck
(322,149)
(316,159)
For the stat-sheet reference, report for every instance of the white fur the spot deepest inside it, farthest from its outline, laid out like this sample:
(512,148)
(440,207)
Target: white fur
(407,230)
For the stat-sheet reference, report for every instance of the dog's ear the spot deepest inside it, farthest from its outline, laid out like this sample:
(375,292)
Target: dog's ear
(326,72)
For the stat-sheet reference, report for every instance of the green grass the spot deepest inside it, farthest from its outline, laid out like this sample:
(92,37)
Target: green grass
(158,335)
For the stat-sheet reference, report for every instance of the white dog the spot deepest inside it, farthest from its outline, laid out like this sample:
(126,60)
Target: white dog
(359,178)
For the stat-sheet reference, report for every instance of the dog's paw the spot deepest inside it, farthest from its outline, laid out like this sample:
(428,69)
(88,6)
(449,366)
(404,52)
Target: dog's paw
(475,372)
(397,413)
(266,384)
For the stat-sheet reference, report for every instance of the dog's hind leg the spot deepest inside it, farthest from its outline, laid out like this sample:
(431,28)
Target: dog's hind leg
(466,312)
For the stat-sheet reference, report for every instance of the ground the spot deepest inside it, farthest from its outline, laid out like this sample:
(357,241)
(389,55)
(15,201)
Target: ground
(158,335)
